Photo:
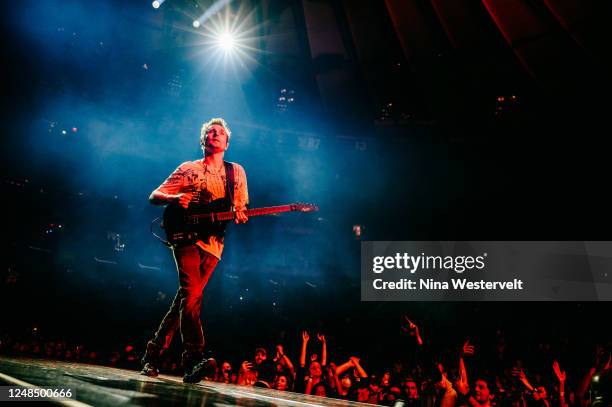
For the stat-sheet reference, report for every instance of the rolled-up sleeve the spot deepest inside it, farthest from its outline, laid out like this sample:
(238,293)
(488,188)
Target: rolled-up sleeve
(175,181)
(241,192)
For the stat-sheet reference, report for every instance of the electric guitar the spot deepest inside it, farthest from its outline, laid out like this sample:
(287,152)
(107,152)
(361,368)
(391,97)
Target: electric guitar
(200,221)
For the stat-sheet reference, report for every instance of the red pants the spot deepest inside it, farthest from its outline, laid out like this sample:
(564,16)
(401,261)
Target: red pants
(194,267)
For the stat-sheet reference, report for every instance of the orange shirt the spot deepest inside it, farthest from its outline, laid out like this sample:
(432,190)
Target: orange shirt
(206,184)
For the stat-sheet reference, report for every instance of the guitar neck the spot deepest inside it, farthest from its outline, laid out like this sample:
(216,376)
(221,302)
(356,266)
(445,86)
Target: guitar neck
(229,215)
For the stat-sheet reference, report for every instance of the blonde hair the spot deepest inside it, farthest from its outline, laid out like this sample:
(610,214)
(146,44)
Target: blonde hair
(208,124)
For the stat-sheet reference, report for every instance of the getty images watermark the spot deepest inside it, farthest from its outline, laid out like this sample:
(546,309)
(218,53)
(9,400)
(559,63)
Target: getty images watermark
(458,264)
(486,271)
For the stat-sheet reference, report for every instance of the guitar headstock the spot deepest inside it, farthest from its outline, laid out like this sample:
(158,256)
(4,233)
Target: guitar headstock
(304,207)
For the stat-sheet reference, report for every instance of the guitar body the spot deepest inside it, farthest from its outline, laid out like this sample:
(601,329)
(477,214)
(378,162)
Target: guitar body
(201,221)
(183,228)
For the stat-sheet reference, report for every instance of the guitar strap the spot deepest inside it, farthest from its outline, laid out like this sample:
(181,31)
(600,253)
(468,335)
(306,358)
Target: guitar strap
(229,183)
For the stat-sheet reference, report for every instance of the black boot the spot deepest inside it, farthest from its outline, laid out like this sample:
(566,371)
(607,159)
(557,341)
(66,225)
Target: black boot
(205,369)
(189,359)
(150,360)
(150,370)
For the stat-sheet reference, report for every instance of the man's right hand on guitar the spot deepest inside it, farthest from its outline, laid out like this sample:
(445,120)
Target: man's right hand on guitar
(184,199)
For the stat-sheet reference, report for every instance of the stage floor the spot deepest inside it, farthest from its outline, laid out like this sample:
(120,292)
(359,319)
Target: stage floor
(106,386)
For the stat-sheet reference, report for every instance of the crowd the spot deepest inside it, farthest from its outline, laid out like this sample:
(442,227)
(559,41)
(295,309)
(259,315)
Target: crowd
(424,383)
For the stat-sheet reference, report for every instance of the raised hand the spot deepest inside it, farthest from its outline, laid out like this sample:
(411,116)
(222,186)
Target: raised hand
(279,353)
(467,350)
(558,372)
(412,327)
(413,330)
(305,336)
(520,374)
(321,337)
(246,366)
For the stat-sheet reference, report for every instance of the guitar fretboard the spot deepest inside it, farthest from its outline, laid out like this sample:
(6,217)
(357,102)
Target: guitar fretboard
(229,215)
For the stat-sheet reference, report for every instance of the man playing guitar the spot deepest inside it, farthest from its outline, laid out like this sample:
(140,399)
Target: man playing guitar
(197,183)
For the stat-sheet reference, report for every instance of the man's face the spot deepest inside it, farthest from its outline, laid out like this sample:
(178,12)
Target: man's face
(259,357)
(281,383)
(226,367)
(315,369)
(216,139)
(411,389)
(481,391)
(385,379)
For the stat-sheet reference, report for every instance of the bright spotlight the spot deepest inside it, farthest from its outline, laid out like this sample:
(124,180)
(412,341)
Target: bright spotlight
(226,41)
(196,24)
(156,4)
(227,37)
